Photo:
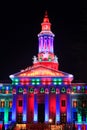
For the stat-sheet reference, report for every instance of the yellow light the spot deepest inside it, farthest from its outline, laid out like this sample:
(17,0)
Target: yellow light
(50,120)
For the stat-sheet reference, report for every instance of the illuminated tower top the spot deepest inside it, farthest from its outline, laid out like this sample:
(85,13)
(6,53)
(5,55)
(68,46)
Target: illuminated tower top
(46,55)
(46,25)
(46,37)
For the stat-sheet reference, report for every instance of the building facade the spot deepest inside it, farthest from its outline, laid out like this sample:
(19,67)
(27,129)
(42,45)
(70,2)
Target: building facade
(42,92)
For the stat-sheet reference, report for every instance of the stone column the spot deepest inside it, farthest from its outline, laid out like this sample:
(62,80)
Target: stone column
(14,108)
(24,107)
(46,108)
(57,108)
(68,108)
(35,108)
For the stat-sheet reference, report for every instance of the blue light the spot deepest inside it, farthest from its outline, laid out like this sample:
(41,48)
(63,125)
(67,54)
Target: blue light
(86,126)
(35,117)
(7,88)
(68,109)
(35,108)
(24,117)
(46,107)
(57,109)
(79,127)
(78,87)
(14,108)
(24,108)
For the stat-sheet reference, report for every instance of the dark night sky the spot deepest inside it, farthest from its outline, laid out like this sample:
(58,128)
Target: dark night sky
(21,22)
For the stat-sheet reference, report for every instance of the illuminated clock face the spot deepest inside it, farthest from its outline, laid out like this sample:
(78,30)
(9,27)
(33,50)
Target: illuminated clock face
(46,27)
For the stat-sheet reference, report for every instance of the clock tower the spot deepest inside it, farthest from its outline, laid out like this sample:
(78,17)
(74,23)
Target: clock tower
(46,55)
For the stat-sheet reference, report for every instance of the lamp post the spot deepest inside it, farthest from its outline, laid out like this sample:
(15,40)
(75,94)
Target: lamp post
(50,121)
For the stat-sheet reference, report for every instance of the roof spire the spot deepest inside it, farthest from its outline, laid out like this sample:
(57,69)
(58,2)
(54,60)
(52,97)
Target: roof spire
(46,19)
(46,14)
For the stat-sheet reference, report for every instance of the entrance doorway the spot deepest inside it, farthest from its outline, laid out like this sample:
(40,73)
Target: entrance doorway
(41,112)
(63,118)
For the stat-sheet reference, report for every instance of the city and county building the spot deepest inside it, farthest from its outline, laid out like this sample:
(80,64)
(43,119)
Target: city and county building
(42,93)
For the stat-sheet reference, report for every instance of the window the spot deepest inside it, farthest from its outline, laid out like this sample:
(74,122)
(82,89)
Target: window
(10,104)
(1,116)
(19,118)
(75,116)
(20,103)
(63,103)
(83,104)
(10,116)
(74,103)
(2,103)
(63,118)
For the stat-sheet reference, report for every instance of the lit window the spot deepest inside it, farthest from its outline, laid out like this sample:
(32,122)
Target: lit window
(20,103)
(2,103)
(10,104)
(83,104)
(63,103)
(63,117)
(19,118)
(74,103)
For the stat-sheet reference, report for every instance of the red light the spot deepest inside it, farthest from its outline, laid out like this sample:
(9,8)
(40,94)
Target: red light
(44,83)
(52,105)
(19,108)
(49,83)
(57,91)
(65,83)
(24,81)
(63,108)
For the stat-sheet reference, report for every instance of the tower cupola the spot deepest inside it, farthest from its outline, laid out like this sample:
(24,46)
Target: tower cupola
(46,55)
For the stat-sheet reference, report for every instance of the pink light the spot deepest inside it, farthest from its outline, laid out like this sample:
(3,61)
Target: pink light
(47,90)
(44,83)
(57,91)
(63,108)
(65,83)
(48,82)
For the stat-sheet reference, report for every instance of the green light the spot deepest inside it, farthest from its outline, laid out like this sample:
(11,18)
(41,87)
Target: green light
(37,83)
(59,80)
(10,89)
(55,83)
(74,89)
(55,79)
(16,83)
(33,83)
(59,83)
(3,89)
(31,90)
(6,113)
(83,88)
(16,80)
(40,59)
(63,90)
(49,59)
(52,90)
(20,90)
(33,80)
(42,90)
(13,82)
(79,117)
(38,80)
